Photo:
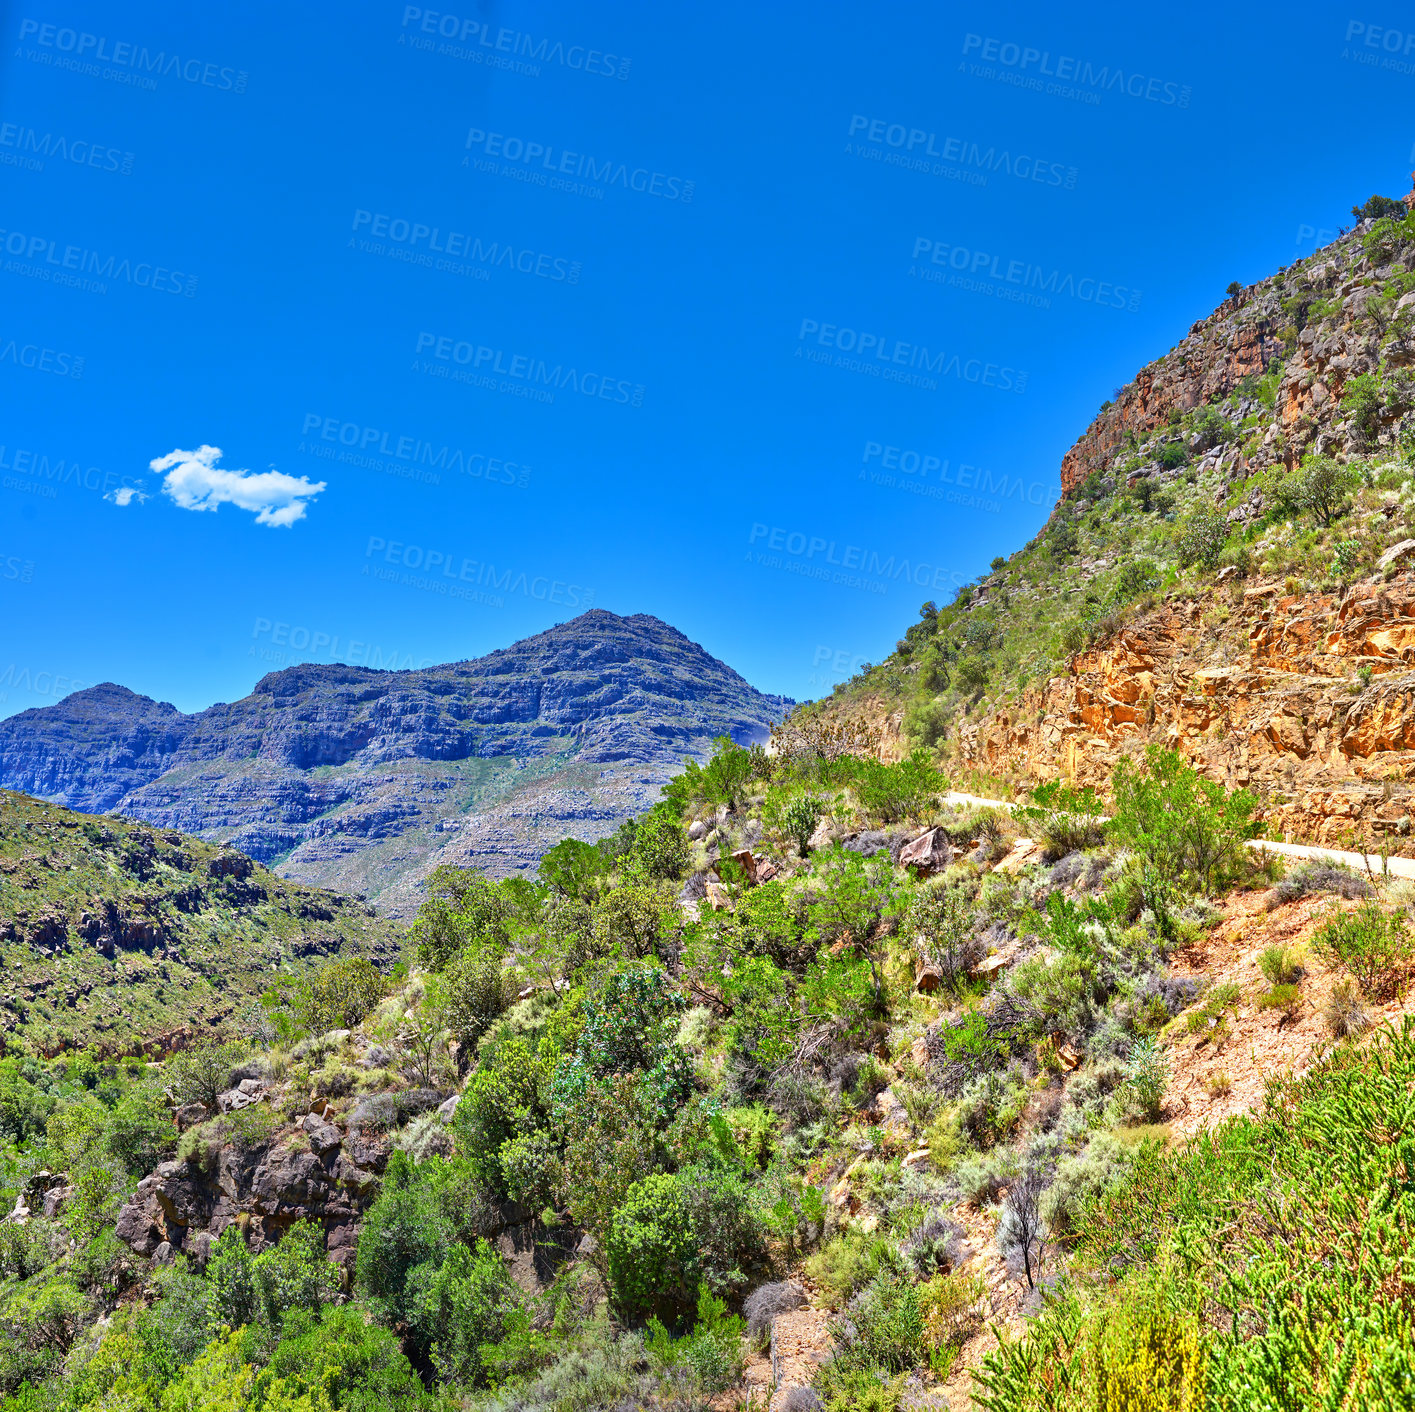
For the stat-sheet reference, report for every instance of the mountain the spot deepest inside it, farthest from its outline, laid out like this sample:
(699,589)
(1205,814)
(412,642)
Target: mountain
(363,780)
(112,932)
(1228,573)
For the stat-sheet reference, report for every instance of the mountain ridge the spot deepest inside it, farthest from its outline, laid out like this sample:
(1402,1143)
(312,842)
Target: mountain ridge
(322,762)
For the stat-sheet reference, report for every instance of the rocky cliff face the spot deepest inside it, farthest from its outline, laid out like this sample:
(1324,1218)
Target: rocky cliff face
(1307,700)
(364,779)
(1343,313)
(1230,572)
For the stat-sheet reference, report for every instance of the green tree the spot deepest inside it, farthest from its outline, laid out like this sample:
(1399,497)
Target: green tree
(1319,487)
(294,1274)
(1189,830)
(463,908)
(459,1305)
(660,846)
(574,869)
(202,1072)
(634,919)
(1201,537)
(473,993)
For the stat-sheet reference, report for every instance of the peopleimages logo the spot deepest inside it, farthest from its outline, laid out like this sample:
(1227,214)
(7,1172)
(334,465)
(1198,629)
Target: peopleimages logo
(1018,59)
(892,358)
(40,359)
(963,268)
(86,51)
(488,45)
(421,242)
(888,463)
(444,571)
(22,146)
(73,264)
(362,445)
(36,472)
(1378,46)
(55,684)
(522,369)
(300,643)
(917,149)
(826,554)
(544,161)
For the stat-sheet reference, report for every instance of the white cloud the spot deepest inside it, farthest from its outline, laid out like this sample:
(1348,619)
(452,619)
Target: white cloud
(195,482)
(125,495)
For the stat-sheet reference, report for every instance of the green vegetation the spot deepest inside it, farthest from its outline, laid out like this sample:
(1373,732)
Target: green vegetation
(1266,1267)
(112,931)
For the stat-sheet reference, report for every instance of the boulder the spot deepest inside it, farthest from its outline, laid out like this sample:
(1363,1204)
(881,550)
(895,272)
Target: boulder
(717,897)
(1395,553)
(696,830)
(931,852)
(1022,852)
(55,1200)
(987,969)
(189,1115)
(324,1137)
(927,978)
(448,1109)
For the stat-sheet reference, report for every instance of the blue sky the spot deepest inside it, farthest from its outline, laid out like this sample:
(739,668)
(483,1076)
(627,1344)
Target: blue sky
(770,321)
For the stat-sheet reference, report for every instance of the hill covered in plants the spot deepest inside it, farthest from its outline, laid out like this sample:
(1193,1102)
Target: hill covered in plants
(366,780)
(131,939)
(788,1094)
(1229,572)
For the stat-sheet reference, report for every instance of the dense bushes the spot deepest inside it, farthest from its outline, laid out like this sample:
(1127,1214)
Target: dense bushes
(1261,1267)
(675,1233)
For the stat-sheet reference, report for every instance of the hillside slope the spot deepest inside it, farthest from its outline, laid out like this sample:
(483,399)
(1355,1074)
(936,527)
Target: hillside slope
(125,936)
(362,779)
(1228,572)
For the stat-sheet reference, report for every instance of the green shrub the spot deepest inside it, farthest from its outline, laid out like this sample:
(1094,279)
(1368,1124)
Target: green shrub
(1186,829)
(848,1263)
(944,923)
(503,1121)
(1280,965)
(1287,998)
(339,995)
(1361,401)
(677,1231)
(1254,1210)
(1065,818)
(201,1072)
(1210,427)
(1319,487)
(926,723)
(458,1305)
(1201,537)
(710,1356)
(1372,944)
(905,789)
(474,993)
(634,919)
(1146,1078)
(845,1388)
(339,1360)
(1103,1164)
(462,909)
(660,846)
(886,1328)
